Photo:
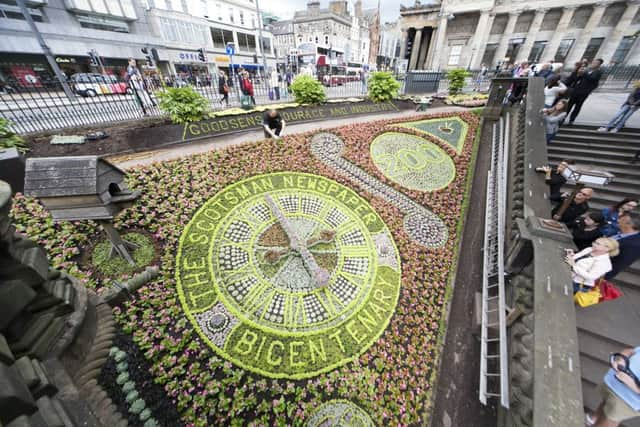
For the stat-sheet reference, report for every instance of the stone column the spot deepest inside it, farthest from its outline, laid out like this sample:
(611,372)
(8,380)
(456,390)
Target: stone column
(508,34)
(415,51)
(531,35)
(433,59)
(561,30)
(614,38)
(585,35)
(421,65)
(403,46)
(480,38)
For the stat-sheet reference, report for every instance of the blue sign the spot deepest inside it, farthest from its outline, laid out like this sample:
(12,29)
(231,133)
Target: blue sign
(230,50)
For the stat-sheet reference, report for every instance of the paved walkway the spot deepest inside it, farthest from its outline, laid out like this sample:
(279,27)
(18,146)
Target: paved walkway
(182,150)
(601,107)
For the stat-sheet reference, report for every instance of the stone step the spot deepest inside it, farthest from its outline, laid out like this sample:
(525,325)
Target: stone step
(592,396)
(596,346)
(594,129)
(622,147)
(612,319)
(593,370)
(613,140)
(572,152)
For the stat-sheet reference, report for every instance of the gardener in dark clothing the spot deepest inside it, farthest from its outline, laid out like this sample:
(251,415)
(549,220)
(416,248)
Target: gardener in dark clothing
(577,207)
(273,124)
(581,83)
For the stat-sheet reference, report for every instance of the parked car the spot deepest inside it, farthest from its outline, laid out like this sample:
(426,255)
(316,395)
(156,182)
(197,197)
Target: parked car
(92,84)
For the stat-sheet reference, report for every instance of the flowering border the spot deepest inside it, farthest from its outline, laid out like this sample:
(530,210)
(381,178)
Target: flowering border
(392,381)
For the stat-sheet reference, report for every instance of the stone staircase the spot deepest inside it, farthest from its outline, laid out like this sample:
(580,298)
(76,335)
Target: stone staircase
(613,325)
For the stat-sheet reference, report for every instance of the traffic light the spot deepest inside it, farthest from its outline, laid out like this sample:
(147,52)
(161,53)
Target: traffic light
(93,58)
(407,55)
(201,56)
(148,57)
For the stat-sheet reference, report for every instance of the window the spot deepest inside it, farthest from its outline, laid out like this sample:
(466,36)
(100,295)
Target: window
(231,14)
(536,51)
(13,12)
(183,5)
(513,49)
(266,44)
(204,9)
(563,50)
(623,49)
(592,48)
(221,37)
(241,17)
(489,54)
(104,24)
(219,11)
(454,55)
(253,21)
(246,42)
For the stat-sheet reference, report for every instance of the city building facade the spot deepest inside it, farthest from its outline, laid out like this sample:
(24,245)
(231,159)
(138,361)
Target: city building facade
(116,30)
(466,34)
(389,47)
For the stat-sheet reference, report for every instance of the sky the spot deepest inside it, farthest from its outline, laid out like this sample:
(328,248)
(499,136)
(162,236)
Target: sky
(390,9)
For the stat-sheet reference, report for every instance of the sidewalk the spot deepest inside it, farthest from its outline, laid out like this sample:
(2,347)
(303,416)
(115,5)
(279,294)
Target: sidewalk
(182,150)
(600,107)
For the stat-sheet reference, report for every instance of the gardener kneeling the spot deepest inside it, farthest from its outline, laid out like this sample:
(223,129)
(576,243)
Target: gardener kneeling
(273,124)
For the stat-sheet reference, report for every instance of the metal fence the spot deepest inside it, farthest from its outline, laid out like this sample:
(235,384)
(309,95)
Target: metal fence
(102,99)
(42,105)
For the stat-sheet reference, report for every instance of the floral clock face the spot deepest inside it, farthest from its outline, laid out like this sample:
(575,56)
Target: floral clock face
(412,162)
(288,274)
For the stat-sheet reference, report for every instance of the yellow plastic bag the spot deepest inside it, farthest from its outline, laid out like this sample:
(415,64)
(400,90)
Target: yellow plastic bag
(585,299)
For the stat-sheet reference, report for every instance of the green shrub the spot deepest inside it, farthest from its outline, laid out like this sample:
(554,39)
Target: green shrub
(456,80)
(307,90)
(383,86)
(183,104)
(9,139)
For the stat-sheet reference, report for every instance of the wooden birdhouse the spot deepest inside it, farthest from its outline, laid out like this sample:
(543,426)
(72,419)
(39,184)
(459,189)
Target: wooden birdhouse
(81,188)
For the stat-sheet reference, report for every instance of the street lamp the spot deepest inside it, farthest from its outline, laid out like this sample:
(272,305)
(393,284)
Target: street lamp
(580,177)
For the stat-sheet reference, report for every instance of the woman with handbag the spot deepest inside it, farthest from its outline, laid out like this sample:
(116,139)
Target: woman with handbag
(223,87)
(590,264)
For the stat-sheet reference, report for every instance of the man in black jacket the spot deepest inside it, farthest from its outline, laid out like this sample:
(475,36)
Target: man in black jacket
(578,206)
(581,83)
(629,241)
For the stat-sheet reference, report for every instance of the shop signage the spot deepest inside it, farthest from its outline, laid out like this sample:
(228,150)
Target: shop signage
(61,60)
(188,56)
(221,58)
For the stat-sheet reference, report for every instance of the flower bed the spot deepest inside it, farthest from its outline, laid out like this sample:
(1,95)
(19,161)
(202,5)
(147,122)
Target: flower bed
(387,370)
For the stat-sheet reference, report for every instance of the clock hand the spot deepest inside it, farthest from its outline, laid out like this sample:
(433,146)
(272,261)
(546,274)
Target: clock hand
(319,275)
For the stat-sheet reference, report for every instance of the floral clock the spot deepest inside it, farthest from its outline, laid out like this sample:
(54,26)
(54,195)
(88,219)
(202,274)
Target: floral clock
(288,274)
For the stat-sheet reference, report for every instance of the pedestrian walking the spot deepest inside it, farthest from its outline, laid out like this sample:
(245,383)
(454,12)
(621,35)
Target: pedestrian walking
(363,79)
(627,109)
(583,82)
(223,87)
(274,83)
(247,87)
(136,83)
(482,75)
(289,79)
